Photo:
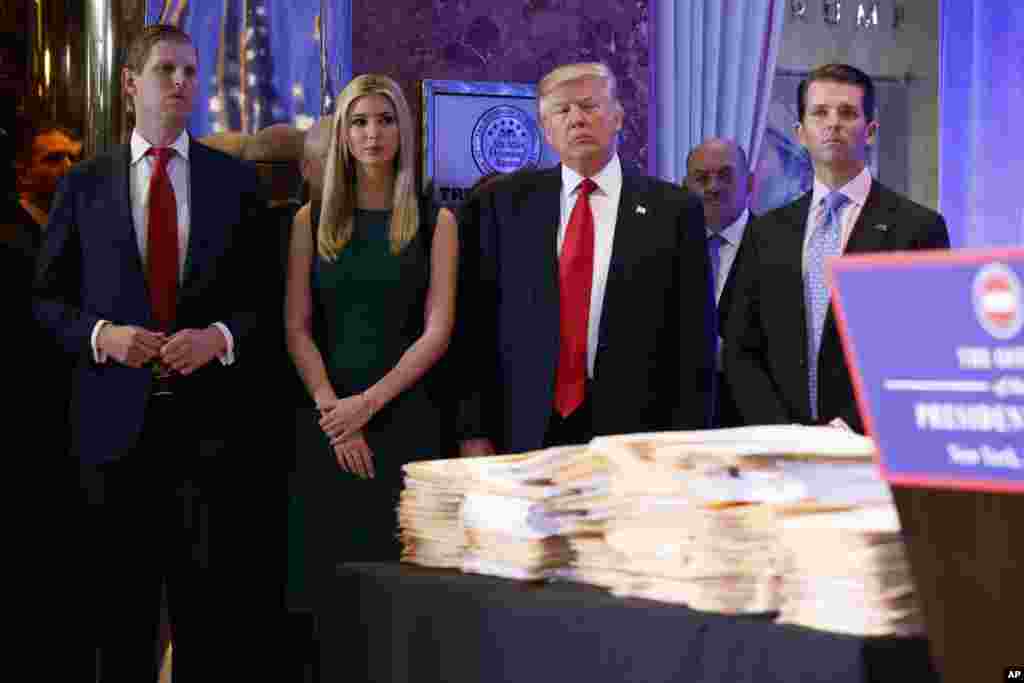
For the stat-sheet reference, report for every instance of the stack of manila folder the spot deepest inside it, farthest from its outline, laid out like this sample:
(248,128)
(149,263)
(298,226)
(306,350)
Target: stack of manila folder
(691,514)
(847,571)
(510,527)
(430,513)
(730,520)
(485,515)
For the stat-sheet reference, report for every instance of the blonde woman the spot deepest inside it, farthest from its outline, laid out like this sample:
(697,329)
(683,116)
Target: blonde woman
(376,267)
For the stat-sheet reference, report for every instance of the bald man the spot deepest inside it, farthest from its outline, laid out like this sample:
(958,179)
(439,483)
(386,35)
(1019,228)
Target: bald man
(718,173)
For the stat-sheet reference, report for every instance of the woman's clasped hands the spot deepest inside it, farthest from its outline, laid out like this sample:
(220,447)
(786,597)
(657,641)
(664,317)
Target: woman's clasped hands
(342,420)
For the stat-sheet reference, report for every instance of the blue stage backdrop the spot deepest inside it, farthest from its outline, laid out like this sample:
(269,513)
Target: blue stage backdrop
(260,60)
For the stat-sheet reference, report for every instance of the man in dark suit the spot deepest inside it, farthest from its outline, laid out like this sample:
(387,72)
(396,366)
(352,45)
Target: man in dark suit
(783,359)
(44,154)
(143,280)
(593,312)
(717,172)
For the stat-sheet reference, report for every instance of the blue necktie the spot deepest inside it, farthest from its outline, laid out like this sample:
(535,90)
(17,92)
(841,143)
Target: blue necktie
(826,241)
(715,242)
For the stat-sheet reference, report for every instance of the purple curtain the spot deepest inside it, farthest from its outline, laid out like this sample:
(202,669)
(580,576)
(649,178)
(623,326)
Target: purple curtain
(715,62)
(981,105)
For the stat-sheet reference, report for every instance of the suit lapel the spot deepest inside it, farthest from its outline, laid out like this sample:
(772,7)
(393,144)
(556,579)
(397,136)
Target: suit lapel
(120,190)
(202,193)
(868,235)
(870,232)
(536,232)
(626,227)
(725,301)
(787,243)
(547,212)
(790,241)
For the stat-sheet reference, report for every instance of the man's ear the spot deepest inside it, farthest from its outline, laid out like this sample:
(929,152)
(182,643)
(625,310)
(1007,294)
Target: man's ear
(799,129)
(547,132)
(872,132)
(20,170)
(128,82)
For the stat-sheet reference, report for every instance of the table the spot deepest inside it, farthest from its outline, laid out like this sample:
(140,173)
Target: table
(395,622)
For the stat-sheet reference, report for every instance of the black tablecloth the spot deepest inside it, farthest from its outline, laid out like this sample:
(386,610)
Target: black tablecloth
(392,622)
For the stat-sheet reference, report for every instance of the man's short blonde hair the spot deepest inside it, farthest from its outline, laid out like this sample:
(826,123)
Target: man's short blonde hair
(573,72)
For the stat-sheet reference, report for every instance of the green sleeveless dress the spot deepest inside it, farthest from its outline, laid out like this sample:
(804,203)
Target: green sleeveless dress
(369,306)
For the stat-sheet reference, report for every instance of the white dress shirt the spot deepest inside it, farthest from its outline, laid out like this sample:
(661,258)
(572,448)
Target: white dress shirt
(604,203)
(856,190)
(142,166)
(732,235)
(140,173)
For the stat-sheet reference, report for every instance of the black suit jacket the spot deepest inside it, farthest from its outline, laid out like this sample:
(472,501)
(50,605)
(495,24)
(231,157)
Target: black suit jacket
(90,269)
(654,368)
(766,338)
(726,412)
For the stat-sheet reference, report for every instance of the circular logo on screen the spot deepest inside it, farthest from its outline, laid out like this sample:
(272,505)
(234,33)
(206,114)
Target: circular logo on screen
(997,294)
(505,139)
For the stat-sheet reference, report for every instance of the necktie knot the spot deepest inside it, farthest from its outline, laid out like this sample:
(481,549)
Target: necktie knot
(586,186)
(161,154)
(835,201)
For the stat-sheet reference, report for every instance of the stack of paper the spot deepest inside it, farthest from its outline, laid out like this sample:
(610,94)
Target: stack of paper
(583,509)
(486,515)
(693,513)
(430,508)
(712,558)
(848,572)
(787,518)
(510,527)
(429,513)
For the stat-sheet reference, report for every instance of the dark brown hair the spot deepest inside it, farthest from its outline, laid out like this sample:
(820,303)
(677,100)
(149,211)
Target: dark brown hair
(838,73)
(27,129)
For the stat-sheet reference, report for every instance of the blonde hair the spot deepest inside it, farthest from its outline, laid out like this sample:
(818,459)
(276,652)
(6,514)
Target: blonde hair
(339,192)
(574,72)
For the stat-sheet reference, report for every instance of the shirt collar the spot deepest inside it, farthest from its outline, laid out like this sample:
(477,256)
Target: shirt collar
(733,233)
(607,179)
(856,190)
(140,145)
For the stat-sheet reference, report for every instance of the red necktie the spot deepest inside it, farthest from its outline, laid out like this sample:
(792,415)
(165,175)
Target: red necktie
(575,275)
(162,241)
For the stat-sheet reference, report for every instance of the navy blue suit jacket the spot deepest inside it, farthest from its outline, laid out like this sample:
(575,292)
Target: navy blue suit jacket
(90,269)
(654,368)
